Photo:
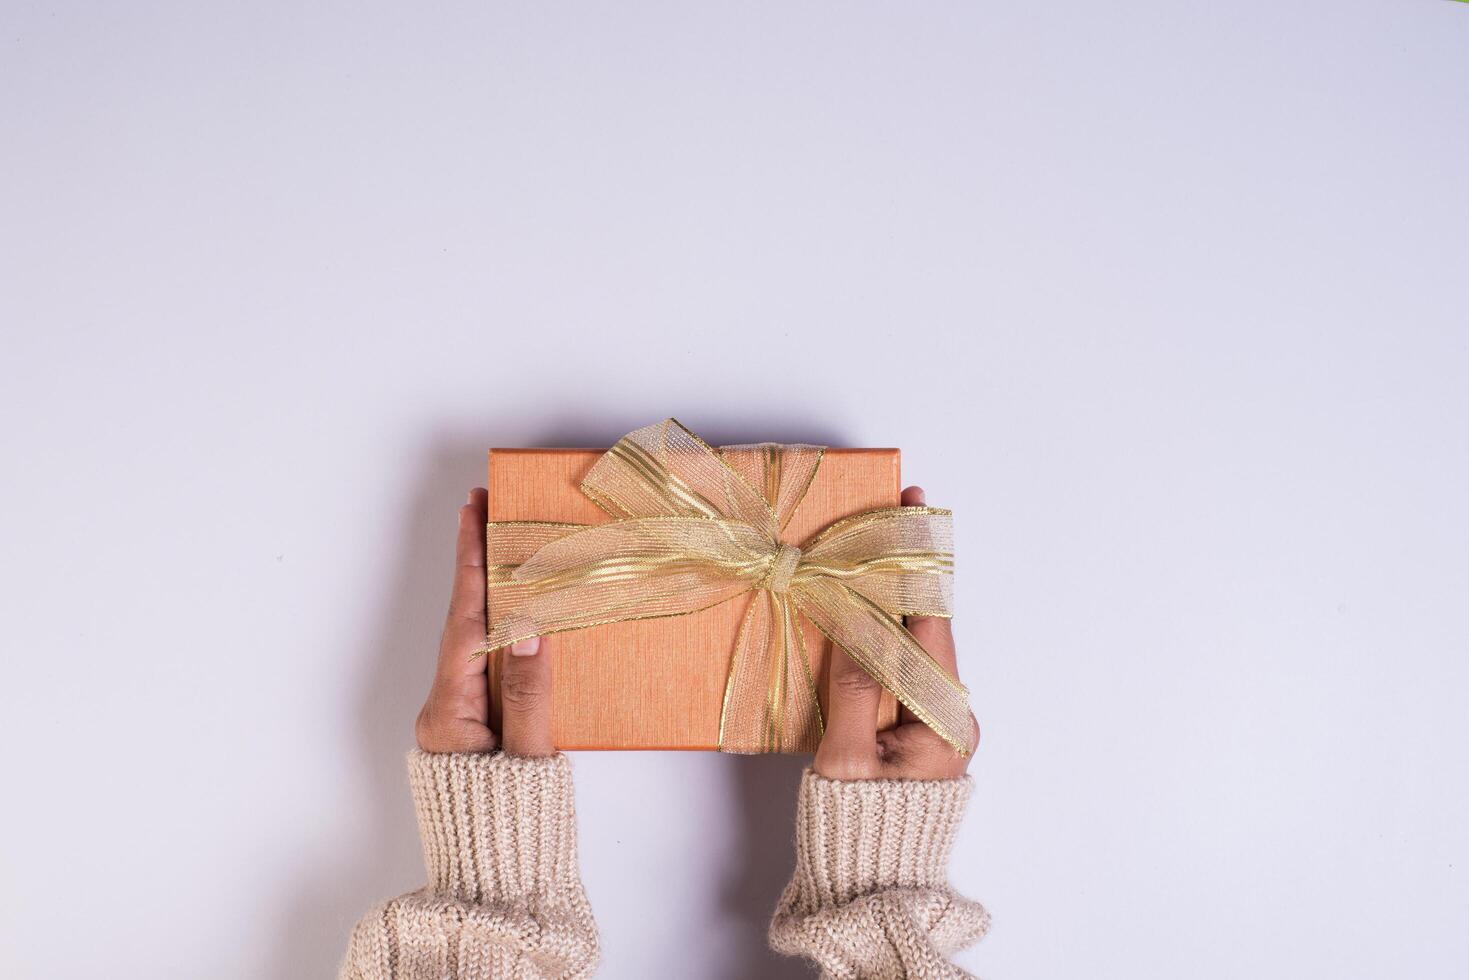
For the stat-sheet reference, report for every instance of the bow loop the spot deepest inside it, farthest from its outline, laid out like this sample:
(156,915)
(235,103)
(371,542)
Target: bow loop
(664,470)
(901,558)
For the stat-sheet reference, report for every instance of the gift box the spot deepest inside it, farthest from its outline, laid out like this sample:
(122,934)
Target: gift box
(696,594)
(660,683)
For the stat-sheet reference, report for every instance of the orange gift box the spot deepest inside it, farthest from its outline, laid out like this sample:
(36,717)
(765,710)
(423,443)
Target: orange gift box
(660,683)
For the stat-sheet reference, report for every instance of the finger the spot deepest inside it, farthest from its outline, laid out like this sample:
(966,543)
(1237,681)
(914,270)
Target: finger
(936,636)
(933,633)
(911,752)
(464,627)
(525,698)
(851,709)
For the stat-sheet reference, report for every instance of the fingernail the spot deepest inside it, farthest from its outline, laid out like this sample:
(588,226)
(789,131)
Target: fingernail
(528,647)
(470,498)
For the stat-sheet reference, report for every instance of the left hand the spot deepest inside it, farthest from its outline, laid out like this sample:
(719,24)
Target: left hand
(456,715)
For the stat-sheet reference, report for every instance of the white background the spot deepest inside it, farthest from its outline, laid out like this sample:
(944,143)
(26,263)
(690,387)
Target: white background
(1167,300)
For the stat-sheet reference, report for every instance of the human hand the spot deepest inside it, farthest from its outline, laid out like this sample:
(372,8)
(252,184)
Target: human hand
(852,748)
(456,715)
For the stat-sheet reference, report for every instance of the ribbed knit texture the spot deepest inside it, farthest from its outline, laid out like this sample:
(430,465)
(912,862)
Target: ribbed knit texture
(504,899)
(870,898)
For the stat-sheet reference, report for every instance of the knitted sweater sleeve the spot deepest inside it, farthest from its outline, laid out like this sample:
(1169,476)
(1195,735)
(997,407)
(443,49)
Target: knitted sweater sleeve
(504,899)
(870,899)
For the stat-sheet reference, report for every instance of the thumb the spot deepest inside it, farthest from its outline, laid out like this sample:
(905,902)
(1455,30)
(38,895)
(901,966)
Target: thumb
(525,698)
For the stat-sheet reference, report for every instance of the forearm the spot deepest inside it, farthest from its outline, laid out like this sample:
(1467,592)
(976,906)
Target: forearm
(504,898)
(870,898)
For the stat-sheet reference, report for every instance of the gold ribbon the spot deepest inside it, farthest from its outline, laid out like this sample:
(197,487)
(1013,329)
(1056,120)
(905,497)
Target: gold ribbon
(690,531)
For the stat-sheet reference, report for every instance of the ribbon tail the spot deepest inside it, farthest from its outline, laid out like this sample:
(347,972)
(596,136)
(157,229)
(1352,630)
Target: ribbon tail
(881,646)
(770,697)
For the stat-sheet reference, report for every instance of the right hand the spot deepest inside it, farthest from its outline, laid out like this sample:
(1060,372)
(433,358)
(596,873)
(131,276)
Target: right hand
(852,748)
(456,715)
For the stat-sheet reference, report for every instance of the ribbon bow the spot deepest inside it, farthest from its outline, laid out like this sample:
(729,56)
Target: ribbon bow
(690,531)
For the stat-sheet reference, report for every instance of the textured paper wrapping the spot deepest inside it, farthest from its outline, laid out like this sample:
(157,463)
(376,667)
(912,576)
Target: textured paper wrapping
(659,683)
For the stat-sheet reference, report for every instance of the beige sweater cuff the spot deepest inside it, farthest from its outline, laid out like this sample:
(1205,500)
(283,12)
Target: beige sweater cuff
(856,837)
(870,899)
(497,829)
